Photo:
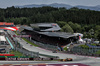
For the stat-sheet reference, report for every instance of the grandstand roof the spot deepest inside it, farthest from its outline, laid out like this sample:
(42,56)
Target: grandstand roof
(2,38)
(58,34)
(52,26)
(53,34)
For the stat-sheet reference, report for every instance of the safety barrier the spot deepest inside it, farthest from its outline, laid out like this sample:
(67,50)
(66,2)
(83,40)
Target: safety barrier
(28,53)
(49,56)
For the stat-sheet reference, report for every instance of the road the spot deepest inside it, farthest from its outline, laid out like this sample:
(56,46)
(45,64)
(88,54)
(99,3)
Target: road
(77,58)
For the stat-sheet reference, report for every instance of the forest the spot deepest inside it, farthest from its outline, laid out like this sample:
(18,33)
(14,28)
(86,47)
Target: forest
(70,20)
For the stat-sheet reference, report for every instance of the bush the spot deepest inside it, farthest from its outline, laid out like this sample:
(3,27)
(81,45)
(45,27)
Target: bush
(84,46)
(65,49)
(93,44)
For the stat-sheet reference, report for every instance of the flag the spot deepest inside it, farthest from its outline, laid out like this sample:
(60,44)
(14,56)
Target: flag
(79,37)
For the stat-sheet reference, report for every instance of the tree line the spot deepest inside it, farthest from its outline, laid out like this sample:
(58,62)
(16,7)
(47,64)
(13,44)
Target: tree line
(49,14)
(70,20)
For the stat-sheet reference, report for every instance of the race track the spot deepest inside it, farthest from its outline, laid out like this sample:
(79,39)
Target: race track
(76,58)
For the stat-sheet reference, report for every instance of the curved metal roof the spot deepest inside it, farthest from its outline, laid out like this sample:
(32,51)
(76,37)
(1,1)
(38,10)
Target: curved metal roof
(52,26)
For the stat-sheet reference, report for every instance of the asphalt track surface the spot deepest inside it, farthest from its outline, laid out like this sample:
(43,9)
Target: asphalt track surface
(92,61)
(51,63)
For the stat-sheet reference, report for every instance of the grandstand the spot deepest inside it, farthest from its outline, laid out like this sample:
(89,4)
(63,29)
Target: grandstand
(49,33)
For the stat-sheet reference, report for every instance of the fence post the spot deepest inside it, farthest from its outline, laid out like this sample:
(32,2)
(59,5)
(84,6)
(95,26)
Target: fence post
(37,54)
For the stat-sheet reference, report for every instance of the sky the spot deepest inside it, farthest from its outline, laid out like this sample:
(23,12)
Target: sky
(9,3)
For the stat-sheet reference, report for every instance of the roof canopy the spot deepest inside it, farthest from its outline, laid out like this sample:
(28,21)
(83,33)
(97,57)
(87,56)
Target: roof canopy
(58,34)
(52,26)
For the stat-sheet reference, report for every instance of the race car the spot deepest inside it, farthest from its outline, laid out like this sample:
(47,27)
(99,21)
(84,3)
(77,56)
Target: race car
(67,59)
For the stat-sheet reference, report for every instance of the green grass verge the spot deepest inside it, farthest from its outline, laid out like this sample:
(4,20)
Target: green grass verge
(30,42)
(98,52)
(16,53)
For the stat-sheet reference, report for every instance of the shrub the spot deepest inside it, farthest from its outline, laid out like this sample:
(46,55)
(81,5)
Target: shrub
(84,46)
(65,49)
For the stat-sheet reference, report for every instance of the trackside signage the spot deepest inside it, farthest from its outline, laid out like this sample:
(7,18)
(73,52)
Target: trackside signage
(21,35)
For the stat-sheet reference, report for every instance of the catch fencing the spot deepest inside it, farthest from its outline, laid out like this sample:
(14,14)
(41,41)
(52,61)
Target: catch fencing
(85,51)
